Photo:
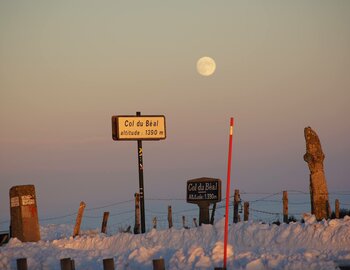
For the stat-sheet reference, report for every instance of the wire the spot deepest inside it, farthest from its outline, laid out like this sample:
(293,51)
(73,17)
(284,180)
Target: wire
(108,205)
(59,217)
(266,197)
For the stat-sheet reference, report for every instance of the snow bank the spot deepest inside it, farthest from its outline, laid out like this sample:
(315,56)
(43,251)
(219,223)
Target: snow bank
(253,245)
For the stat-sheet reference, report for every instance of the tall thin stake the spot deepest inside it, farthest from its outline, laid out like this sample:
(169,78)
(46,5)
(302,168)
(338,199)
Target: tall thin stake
(79,219)
(228,191)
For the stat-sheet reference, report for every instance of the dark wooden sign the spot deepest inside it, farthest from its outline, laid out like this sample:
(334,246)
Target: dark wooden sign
(204,190)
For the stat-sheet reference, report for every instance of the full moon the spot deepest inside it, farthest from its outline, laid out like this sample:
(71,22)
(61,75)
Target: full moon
(206,66)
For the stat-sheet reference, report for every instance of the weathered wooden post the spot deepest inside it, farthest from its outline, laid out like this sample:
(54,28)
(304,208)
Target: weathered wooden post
(79,219)
(314,157)
(236,201)
(158,264)
(203,191)
(195,222)
(170,217)
(246,211)
(72,262)
(104,222)
(183,222)
(285,206)
(337,208)
(137,227)
(108,264)
(67,264)
(22,264)
(24,213)
(154,223)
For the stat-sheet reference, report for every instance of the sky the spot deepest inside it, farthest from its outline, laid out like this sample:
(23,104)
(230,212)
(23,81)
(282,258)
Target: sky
(68,66)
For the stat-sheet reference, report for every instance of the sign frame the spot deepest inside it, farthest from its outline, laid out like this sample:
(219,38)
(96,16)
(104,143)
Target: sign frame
(205,193)
(116,128)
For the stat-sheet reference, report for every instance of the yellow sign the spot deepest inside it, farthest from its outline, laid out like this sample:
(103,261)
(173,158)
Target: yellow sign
(145,127)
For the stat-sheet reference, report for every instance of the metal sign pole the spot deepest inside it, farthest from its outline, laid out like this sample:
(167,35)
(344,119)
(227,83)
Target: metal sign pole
(141,188)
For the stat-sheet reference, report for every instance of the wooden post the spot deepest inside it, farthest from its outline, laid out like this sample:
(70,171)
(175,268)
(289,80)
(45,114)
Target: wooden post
(155,223)
(285,206)
(66,264)
(22,264)
(108,264)
(246,211)
(213,214)
(236,201)
(195,222)
(170,217)
(184,222)
(79,219)
(337,208)
(104,222)
(137,227)
(158,264)
(314,157)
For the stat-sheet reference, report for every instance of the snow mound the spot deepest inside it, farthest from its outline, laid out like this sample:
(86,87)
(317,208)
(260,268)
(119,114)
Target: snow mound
(252,245)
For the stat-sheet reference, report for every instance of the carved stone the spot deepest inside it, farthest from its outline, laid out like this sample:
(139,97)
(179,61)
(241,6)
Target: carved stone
(24,213)
(314,157)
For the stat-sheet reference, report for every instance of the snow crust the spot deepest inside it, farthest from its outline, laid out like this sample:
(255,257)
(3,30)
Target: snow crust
(252,245)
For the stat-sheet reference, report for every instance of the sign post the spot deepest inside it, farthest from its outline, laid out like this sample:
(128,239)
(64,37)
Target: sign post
(139,128)
(141,189)
(203,191)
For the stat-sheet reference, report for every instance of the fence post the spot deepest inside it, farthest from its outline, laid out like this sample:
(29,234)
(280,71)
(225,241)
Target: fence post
(170,217)
(67,264)
(72,263)
(285,206)
(137,226)
(158,264)
(108,264)
(213,214)
(337,208)
(246,211)
(22,264)
(235,206)
(79,219)
(155,223)
(195,222)
(104,222)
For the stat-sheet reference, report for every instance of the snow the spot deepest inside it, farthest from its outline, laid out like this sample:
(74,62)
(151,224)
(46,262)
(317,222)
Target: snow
(252,245)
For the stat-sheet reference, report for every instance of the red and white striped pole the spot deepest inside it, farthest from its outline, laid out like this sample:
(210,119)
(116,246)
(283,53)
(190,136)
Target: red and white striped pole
(228,191)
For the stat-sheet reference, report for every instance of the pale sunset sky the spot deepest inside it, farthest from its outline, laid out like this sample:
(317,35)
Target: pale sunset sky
(66,67)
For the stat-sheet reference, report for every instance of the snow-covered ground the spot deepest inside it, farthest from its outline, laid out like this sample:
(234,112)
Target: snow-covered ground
(253,245)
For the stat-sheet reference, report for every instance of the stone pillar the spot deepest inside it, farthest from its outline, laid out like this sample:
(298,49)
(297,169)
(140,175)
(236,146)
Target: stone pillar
(314,157)
(24,213)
